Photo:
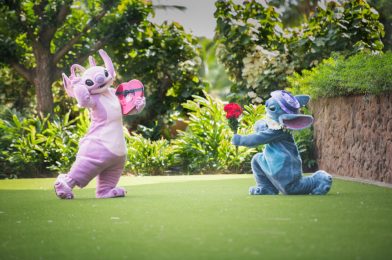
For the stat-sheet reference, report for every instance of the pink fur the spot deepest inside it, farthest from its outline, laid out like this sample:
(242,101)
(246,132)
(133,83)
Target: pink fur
(102,151)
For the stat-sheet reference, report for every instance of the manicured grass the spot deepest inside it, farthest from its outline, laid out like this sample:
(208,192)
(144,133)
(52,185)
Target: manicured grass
(194,217)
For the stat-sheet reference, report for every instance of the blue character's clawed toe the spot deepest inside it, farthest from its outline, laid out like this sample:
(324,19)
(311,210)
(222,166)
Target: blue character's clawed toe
(323,183)
(257,190)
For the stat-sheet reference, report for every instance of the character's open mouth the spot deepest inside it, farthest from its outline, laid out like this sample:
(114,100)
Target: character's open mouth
(101,86)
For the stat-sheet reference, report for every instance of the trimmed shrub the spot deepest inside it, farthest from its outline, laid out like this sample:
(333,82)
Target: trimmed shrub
(363,73)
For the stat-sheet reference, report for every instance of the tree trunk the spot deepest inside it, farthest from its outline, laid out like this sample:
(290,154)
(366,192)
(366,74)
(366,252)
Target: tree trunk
(43,89)
(43,80)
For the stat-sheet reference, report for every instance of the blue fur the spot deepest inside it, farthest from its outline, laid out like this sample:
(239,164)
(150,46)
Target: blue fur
(279,167)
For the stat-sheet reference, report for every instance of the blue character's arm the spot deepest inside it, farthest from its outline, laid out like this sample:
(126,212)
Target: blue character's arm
(256,139)
(263,135)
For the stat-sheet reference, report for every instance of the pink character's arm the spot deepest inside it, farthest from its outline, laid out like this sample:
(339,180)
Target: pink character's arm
(83,96)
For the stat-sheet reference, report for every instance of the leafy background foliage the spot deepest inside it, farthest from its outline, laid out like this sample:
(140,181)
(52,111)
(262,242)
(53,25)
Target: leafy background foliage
(346,28)
(167,61)
(33,147)
(146,157)
(206,144)
(307,46)
(163,57)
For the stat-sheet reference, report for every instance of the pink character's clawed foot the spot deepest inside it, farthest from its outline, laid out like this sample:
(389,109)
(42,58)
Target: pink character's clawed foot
(113,193)
(62,189)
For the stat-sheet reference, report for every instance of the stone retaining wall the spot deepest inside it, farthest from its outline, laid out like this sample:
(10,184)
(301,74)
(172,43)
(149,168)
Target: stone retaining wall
(353,136)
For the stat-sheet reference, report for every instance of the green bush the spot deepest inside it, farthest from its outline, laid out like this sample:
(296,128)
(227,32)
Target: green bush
(32,146)
(148,157)
(305,143)
(360,74)
(206,144)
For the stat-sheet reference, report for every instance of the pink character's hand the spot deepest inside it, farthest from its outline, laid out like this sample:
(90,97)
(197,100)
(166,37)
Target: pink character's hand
(83,96)
(140,103)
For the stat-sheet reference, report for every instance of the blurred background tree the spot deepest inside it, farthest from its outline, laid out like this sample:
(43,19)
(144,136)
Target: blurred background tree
(41,39)
(212,71)
(384,7)
(166,60)
(295,12)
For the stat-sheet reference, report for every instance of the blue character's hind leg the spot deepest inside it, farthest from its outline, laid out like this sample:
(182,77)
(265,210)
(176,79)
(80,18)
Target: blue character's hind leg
(264,185)
(318,183)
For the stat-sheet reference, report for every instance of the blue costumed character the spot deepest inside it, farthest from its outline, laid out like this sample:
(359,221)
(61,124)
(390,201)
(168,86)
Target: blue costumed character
(279,167)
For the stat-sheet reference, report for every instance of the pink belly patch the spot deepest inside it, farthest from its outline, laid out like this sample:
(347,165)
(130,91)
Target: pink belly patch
(127,93)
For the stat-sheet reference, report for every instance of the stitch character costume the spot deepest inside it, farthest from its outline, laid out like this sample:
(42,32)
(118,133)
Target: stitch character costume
(279,167)
(102,151)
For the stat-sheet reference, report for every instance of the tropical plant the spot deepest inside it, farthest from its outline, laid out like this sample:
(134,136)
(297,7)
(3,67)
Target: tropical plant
(146,157)
(305,143)
(35,146)
(206,144)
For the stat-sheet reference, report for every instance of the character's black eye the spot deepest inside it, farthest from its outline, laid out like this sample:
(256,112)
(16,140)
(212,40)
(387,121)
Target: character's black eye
(106,73)
(89,82)
(272,108)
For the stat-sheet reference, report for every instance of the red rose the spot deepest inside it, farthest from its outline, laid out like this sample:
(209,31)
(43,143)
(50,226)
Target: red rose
(233,110)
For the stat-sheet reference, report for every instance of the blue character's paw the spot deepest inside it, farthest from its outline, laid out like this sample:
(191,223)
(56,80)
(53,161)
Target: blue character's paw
(257,190)
(323,183)
(236,139)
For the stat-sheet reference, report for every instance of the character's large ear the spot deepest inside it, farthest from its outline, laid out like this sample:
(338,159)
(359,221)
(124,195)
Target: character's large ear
(295,121)
(74,67)
(92,62)
(303,99)
(68,85)
(108,63)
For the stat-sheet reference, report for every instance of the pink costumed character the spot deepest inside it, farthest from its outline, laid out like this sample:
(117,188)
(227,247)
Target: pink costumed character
(102,151)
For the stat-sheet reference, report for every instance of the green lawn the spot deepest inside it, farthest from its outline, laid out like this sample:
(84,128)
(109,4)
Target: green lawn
(194,217)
